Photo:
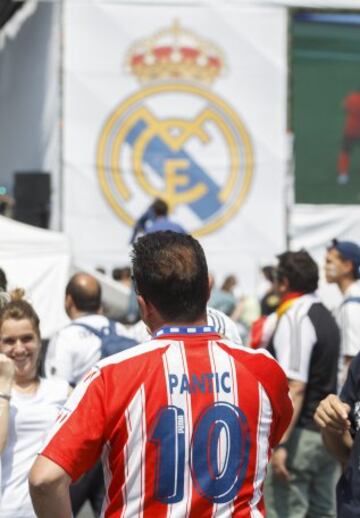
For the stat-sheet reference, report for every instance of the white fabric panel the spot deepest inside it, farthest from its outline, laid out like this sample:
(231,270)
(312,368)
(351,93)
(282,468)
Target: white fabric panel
(332,4)
(314,226)
(253,41)
(351,4)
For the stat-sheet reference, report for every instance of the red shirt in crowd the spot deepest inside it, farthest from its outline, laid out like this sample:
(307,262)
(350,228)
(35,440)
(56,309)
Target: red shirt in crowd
(352,123)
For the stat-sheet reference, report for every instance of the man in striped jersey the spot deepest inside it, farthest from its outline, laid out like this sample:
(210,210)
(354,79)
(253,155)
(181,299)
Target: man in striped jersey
(185,423)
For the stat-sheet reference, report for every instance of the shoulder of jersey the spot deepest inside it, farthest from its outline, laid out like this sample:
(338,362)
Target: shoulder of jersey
(247,350)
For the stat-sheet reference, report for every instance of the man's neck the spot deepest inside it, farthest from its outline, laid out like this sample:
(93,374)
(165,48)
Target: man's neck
(165,323)
(345,283)
(78,314)
(287,300)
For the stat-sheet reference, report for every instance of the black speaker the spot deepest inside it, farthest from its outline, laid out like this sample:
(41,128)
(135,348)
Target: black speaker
(32,198)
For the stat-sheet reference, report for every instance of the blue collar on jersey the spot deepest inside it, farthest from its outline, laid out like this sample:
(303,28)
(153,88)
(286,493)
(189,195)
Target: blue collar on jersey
(194,330)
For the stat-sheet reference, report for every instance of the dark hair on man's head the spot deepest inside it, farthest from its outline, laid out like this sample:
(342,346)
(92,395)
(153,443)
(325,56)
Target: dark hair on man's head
(160,207)
(300,269)
(170,271)
(269,272)
(3,280)
(85,292)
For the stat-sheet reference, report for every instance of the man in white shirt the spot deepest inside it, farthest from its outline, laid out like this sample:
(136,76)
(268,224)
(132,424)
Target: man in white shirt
(342,267)
(306,343)
(74,349)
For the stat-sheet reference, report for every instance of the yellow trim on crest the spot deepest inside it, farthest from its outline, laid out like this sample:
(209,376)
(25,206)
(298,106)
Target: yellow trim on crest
(173,170)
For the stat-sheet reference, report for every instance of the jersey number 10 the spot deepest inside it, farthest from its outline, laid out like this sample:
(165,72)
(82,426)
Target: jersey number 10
(218,484)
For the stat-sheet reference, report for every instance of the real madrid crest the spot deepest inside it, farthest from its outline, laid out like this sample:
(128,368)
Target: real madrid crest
(175,138)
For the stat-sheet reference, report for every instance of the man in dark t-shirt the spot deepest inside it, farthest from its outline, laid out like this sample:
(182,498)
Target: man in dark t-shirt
(339,419)
(306,343)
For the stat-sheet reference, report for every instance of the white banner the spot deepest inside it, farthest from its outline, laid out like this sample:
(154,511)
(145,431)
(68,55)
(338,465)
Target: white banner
(172,103)
(325,4)
(313,227)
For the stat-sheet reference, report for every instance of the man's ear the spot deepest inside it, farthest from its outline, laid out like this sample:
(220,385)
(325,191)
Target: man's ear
(210,286)
(142,306)
(149,314)
(284,285)
(348,266)
(69,303)
(146,309)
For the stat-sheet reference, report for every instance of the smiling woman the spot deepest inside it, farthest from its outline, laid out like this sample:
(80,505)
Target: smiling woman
(28,404)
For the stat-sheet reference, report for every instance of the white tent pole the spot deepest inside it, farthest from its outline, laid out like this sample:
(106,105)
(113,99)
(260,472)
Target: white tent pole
(289,178)
(61,183)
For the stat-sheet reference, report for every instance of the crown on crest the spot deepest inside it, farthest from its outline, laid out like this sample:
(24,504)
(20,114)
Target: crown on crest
(175,53)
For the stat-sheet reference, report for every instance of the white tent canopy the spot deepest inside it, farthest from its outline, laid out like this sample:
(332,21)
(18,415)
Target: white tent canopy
(38,261)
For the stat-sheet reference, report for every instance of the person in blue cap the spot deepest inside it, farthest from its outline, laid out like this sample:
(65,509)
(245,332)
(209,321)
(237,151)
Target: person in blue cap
(342,267)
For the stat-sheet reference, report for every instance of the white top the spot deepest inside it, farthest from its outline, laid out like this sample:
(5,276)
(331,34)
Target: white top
(223,325)
(295,338)
(216,318)
(348,319)
(74,350)
(31,417)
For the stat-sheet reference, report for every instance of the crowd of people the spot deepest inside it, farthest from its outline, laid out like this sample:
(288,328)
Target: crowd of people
(175,414)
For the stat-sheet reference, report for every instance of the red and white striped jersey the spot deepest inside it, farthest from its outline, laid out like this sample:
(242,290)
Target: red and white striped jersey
(184,423)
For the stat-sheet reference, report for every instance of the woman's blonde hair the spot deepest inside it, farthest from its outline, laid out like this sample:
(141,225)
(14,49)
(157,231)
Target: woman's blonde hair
(15,307)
